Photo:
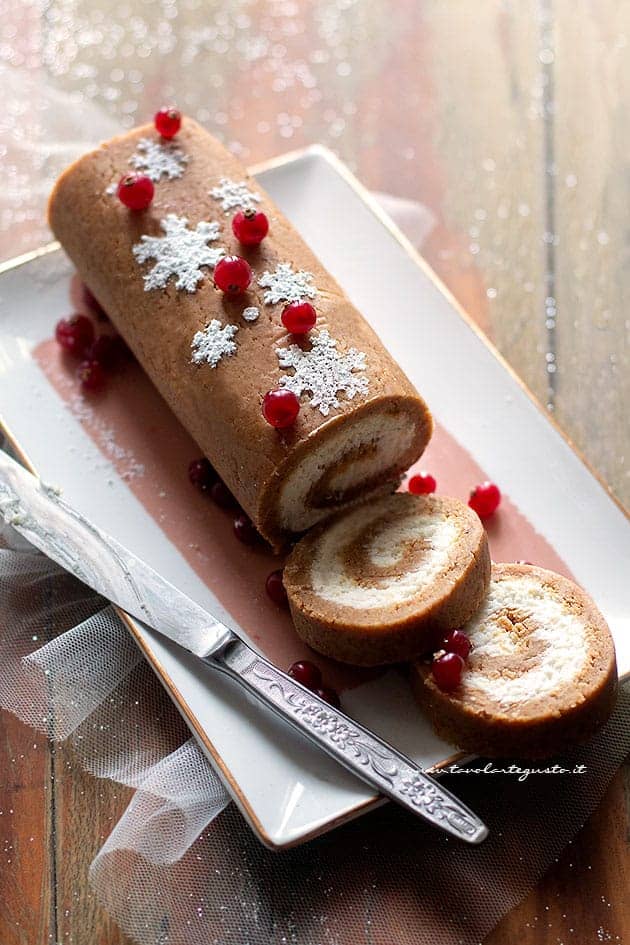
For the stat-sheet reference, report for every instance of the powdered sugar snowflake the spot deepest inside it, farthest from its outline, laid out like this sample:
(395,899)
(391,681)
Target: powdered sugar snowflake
(323,372)
(286,285)
(251,313)
(213,343)
(233,193)
(159,159)
(181,252)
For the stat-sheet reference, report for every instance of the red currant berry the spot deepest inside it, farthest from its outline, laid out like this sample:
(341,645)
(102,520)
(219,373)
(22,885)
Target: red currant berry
(168,121)
(274,585)
(299,317)
(328,695)
(75,334)
(221,496)
(485,499)
(280,408)
(457,642)
(422,484)
(105,350)
(250,226)
(232,275)
(135,191)
(306,673)
(244,529)
(202,474)
(447,671)
(93,303)
(92,376)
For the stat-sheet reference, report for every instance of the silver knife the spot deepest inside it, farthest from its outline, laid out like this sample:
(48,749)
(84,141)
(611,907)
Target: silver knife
(39,513)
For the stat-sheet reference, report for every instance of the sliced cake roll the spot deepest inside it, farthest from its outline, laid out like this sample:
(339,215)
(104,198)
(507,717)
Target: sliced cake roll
(541,673)
(380,582)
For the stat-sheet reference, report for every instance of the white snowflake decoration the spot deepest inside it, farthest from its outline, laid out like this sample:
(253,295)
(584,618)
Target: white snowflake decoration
(251,313)
(286,285)
(233,193)
(213,343)
(181,253)
(157,159)
(323,372)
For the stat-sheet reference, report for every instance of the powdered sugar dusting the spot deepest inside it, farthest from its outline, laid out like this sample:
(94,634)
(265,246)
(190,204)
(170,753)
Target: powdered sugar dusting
(158,159)
(323,372)
(182,253)
(287,285)
(125,459)
(213,343)
(234,194)
(251,313)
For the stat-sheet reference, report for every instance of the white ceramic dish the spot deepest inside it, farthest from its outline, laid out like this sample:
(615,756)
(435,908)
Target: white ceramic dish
(287,789)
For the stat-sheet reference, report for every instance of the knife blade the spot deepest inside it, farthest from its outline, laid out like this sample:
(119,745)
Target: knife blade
(39,513)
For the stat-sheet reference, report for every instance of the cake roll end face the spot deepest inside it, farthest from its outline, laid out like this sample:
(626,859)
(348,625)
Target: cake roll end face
(541,674)
(380,583)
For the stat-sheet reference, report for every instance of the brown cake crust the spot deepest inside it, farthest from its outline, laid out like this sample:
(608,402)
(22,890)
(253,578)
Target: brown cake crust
(221,407)
(394,632)
(541,726)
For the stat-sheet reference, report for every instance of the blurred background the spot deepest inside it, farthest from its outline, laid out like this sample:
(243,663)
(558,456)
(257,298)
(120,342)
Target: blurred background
(506,120)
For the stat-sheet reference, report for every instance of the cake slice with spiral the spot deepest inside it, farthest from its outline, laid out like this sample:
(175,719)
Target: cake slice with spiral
(541,674)
(380,582)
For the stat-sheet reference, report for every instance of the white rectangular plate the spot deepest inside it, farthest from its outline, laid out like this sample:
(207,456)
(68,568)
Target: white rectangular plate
(287,789)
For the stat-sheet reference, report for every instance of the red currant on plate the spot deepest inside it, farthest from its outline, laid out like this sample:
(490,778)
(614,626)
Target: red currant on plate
(221,496)
(168,121)
(306,673)
(202,474)
(106,350)
(299,317)
(274,585)
(485,499)
(328,695)
(280,408)
(457,642)
(250,226)
(232,275)
(135,191)
(244,529)
(75,334)
(92,376)
(447,671)
(422,484)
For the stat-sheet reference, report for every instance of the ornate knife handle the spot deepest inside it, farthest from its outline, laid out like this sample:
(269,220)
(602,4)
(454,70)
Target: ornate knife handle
(356,748)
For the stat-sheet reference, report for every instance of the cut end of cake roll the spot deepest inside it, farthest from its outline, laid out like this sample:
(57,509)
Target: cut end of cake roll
(344,462)
(380,582)
(541,674)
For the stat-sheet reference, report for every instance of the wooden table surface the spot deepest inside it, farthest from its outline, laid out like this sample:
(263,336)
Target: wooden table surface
(510,122)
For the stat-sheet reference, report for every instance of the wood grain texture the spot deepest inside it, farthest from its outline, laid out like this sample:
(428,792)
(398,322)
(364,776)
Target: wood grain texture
(509,121)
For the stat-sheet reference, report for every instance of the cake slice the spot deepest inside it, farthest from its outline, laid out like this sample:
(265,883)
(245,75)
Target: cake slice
(541,673)
(379,583)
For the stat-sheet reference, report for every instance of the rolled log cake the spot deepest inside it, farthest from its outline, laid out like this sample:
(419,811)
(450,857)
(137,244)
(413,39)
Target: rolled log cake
(213,356)
(381,582)
(541,674)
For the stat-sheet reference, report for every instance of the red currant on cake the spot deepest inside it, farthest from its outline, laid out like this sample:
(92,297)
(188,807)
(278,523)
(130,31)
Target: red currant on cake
(168,121)
(250,226)
(232,275)
(135,191)
(447,671)
(457,642)
(422,484)
(306,673)
(299,317)
(274,585)
(91,375)
(75,334)
(202,474)
(485,499)
(280,407)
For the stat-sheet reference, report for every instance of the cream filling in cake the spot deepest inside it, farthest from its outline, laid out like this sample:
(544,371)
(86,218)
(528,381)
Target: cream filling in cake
(511,667)
(395,559)
(348,464)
